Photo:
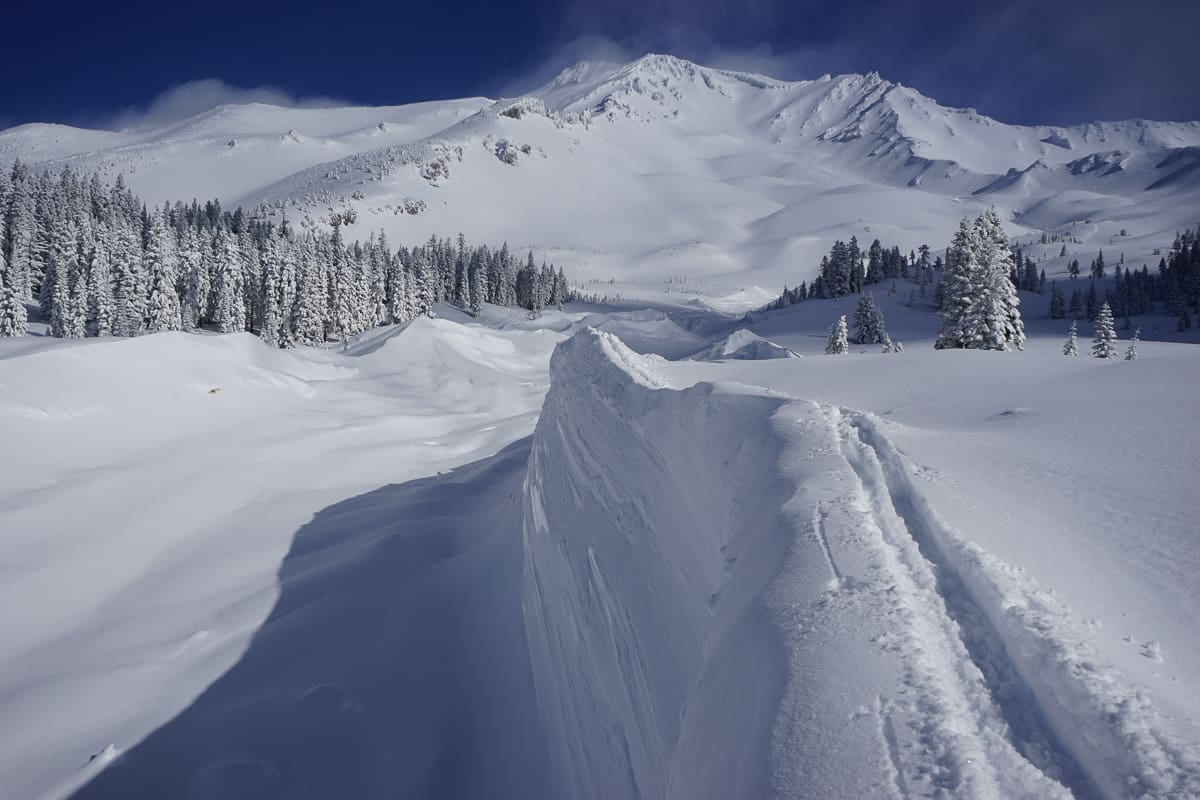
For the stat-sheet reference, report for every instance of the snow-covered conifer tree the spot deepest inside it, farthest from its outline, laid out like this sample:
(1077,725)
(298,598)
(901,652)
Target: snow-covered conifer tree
(270,316)
(230,311)
(1071,346)
(288,290)
(162,311)
(12,313)
(868,321)
(423,285)
(1131,353)
(980,308)
(129,289)
(101,304)
(1104,343)
(23,261)
(998,312)
(959,288)
(196,285)
(309,314)
(838,342)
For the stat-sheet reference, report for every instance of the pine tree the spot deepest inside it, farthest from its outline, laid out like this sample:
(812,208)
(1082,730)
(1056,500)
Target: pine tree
(270,315)
(162,313)
(128,286)
(230,311)
(288,292)
(1131,352)
(1076,308)
(1057,303)
(101,304)
(308,317)
(12,313)
(423,288)
(23,260)
(196,284)
(838,342)
(958,288)
(1071,348)
(869,326)
(475,294)
(981,309)
(1104,342)
(997,313)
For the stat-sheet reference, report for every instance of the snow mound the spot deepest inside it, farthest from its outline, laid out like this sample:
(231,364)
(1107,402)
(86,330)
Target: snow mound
(745,345)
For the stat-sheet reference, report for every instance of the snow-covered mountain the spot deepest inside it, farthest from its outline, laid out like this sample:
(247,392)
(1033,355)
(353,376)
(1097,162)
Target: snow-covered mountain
(746,178)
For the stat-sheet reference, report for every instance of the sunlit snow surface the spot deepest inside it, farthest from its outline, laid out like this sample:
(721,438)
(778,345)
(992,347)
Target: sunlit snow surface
(237,572)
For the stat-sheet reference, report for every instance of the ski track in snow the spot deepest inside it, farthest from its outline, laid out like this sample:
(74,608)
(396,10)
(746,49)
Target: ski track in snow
(1074,720)
(1010,713)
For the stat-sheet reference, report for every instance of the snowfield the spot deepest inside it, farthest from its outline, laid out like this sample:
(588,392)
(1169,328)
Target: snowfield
(354,572)
(659,546)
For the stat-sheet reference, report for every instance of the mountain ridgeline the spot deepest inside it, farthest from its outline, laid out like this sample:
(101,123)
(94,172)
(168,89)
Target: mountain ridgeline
(638,171)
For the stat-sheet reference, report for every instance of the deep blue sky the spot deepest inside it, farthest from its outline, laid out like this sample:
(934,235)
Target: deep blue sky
(1025,61)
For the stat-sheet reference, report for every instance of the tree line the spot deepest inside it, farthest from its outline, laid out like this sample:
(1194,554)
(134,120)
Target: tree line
(99,263)
(976,286)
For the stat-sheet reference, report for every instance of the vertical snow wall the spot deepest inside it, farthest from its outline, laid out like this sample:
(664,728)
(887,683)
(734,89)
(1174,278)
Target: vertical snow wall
(657,668)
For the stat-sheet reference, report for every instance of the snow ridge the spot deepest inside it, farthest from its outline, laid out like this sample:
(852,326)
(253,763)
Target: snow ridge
(702,562)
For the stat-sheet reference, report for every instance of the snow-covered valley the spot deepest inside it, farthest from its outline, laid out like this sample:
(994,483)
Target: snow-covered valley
(656,547)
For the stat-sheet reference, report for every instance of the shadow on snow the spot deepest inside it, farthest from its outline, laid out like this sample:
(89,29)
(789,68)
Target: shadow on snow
(393,664)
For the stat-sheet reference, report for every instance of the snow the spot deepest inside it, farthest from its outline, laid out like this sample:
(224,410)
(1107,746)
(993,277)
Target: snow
(743,344)
(160,533)
(746,178)
(780,577)
(623,549)
(657,609)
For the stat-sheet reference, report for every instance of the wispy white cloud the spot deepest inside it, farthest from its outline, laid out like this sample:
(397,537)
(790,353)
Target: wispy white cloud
(189,99)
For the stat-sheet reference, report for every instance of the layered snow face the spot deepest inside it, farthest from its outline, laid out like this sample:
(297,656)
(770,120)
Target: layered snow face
(662,168)
(732,593)
(641,602)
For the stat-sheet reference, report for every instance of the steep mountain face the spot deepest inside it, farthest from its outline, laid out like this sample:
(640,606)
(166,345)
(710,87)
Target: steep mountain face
(662,168)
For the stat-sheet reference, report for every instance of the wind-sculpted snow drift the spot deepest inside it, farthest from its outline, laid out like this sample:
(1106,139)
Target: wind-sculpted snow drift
(731,593)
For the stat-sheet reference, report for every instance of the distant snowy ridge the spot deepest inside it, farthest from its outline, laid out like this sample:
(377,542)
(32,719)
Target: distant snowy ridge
(663,168)
(701,564)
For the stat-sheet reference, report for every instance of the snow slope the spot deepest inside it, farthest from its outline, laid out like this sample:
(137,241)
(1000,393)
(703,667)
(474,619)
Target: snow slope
(747,179)
(159,533)
(351,572)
